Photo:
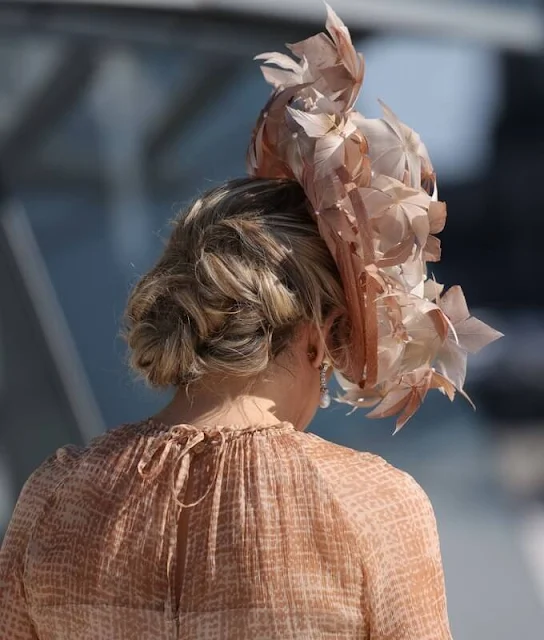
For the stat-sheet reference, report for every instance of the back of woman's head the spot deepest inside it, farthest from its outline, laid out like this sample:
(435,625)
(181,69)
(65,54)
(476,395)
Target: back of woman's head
(244,269)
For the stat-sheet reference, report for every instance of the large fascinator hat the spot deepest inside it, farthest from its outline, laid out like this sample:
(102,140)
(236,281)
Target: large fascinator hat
(373,193)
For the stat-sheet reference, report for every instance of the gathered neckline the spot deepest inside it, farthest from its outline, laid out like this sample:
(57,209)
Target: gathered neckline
(230,430)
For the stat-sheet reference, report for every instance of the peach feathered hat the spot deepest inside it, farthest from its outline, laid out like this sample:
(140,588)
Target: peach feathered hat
(374,196)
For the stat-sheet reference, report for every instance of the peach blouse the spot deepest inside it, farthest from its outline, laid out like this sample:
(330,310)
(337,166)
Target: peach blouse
(156,533)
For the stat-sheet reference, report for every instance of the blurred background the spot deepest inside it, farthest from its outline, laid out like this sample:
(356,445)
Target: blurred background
(114,114)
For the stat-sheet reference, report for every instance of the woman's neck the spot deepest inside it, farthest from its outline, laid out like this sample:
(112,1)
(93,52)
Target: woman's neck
(225,405)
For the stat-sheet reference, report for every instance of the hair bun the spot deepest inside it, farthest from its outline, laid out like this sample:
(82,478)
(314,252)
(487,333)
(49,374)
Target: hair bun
(244,267)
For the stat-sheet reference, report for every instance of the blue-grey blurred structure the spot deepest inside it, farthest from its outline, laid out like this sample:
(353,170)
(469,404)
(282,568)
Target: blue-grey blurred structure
(115,114)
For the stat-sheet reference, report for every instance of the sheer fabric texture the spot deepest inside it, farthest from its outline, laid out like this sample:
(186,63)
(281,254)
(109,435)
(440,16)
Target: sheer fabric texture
(284,535)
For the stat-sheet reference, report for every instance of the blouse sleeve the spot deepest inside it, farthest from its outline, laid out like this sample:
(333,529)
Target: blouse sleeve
(15,619)
(404,576)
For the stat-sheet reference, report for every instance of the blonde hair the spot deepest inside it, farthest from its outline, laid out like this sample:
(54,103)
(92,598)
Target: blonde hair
(244,268)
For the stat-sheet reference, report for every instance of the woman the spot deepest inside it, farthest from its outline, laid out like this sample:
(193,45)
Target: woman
(219,517)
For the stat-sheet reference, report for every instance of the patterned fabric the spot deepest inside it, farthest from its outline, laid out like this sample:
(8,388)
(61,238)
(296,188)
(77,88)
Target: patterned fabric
(289,536)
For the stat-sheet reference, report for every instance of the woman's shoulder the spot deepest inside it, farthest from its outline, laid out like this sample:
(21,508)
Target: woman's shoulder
(72,467)
(353,464)
(367,485)
(42,484)
(65,460)
(51,472)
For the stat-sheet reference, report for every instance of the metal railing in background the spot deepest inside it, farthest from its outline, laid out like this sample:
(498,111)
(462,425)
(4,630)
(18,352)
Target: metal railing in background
(48,311)
(512,25)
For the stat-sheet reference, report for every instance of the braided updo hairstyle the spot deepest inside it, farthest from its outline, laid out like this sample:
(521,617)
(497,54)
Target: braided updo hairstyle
(244,268)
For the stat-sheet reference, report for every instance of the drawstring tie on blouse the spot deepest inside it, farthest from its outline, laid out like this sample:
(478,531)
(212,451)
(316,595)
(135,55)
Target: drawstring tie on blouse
(192,441)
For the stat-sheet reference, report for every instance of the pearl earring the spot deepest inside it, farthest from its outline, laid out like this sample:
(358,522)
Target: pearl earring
(325,396)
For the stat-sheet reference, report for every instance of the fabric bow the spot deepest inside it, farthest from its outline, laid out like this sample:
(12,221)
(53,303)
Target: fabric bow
(187,442)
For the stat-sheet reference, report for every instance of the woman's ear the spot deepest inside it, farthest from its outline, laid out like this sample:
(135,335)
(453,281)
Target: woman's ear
(318,339)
